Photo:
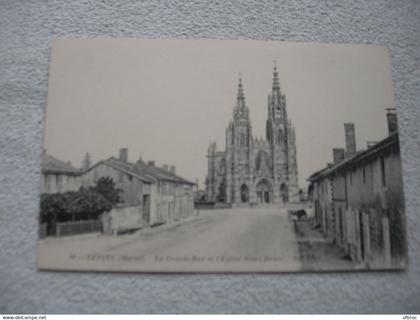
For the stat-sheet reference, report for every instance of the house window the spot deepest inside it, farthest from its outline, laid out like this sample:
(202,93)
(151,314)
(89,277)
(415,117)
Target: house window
(59,183)
(383,171)
(47,181)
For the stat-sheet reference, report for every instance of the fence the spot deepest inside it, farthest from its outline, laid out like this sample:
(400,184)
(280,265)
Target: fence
(77,227)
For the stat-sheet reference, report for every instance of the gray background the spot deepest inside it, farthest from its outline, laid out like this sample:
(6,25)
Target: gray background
(26,29)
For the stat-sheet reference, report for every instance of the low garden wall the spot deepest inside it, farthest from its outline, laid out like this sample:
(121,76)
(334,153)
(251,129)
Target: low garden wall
(122,219)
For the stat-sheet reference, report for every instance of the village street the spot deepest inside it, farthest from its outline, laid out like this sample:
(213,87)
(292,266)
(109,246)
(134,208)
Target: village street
(246,238)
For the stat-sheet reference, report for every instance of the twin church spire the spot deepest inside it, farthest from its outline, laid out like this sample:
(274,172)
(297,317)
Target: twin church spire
(241,110)
(250,169)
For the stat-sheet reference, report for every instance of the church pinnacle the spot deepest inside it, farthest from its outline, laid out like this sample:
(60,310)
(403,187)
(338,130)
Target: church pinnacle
(241,96)
(276,84)
(240,110)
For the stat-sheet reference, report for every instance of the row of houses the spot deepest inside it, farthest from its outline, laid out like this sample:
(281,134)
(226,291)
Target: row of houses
(149,195)
(358,200)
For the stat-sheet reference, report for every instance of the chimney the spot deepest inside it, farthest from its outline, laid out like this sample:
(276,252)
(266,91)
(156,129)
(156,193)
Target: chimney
(338,154)
(124,154)
(151,163)
(350,139)
(165,167)
(391,117)
(172,169)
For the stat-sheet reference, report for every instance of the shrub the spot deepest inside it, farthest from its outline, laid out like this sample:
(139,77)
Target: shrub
(106,187)
(84,204)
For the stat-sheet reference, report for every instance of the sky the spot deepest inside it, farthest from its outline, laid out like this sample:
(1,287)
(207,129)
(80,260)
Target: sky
(166,100)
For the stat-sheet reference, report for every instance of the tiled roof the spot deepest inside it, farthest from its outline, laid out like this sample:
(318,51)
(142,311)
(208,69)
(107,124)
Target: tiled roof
(56,166)
(139,170)
(359,156)
(144,171)
(127,168)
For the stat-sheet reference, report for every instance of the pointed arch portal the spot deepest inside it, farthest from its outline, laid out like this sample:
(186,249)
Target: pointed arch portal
(264,191)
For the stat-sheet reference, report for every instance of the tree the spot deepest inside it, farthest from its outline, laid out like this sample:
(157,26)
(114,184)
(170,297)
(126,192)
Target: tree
(86,161)
(106,187)
(53,207)
(50,206)
(86,204)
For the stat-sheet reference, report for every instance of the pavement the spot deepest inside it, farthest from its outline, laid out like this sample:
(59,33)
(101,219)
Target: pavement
(225,240)
(316,252)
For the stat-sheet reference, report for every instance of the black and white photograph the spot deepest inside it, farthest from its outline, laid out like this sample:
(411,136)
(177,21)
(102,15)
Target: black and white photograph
(220,156)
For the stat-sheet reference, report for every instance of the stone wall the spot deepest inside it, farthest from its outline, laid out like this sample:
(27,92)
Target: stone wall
(122,219)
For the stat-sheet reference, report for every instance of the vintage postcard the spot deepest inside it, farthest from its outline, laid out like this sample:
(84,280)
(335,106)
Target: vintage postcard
(220,156)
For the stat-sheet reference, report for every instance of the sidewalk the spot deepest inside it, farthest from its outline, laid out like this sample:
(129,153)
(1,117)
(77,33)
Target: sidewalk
(316,253)
(144,230)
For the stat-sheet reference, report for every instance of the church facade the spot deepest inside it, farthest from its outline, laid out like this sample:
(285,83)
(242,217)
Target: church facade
(255,171)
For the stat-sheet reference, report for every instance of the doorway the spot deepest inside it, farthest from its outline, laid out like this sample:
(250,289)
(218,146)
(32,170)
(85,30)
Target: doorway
(264,192)
(244,193)
(146,208)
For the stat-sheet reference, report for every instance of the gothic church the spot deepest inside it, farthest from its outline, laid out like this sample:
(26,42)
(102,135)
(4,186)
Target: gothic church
(255,171)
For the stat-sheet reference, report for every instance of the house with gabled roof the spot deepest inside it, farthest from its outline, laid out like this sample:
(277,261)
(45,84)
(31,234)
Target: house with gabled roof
(149,195)
(58,176)
(173,194)
(159,195)
(358,200)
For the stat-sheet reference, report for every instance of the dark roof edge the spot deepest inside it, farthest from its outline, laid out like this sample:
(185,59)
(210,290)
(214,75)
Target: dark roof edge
(168,176)
(116,167)
(66,172)
(61,167)
(386,142)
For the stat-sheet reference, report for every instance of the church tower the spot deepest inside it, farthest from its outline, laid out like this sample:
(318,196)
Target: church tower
(238,151)
(252,170)
(281,137)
